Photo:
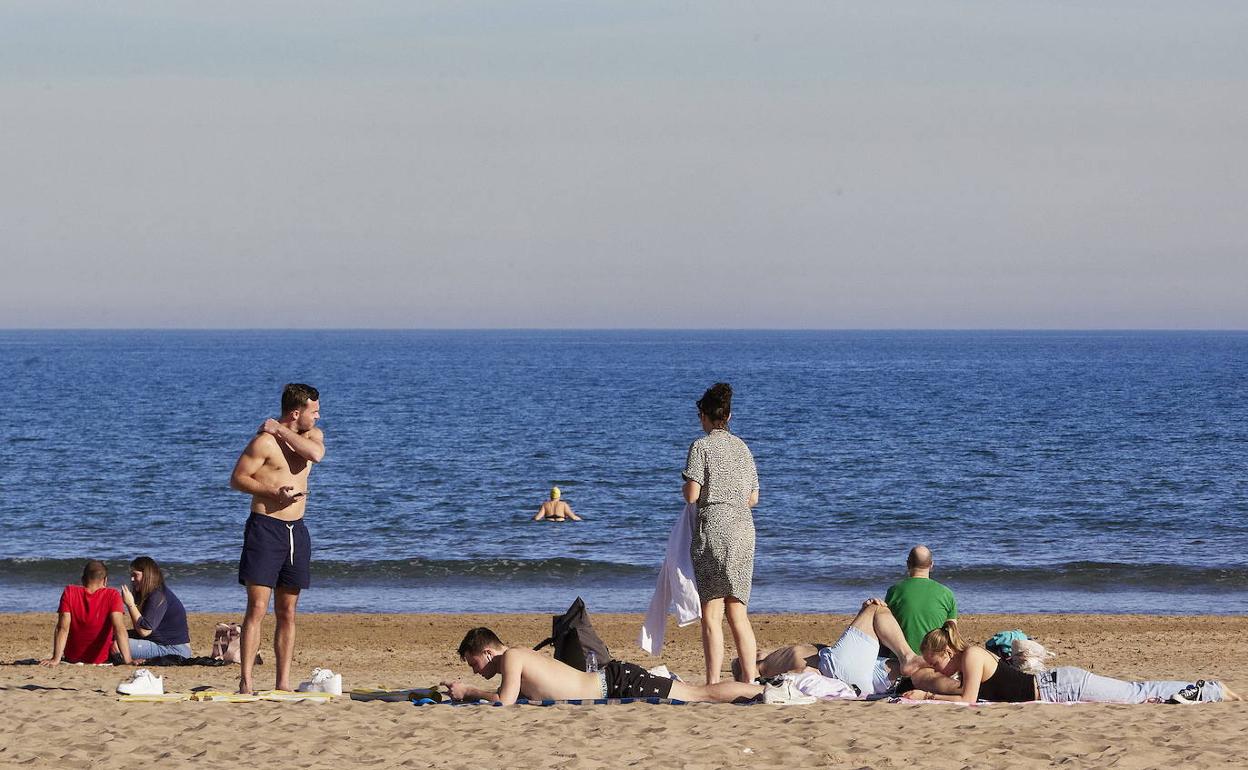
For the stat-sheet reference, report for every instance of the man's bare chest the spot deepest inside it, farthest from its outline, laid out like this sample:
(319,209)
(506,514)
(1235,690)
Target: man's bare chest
(288,462)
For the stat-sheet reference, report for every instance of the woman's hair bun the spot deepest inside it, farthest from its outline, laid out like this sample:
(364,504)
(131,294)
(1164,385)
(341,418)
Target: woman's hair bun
(716,403)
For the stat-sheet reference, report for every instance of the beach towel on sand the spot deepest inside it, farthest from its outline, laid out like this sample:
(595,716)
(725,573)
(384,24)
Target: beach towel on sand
(168,697)
(582,702)
(431,694)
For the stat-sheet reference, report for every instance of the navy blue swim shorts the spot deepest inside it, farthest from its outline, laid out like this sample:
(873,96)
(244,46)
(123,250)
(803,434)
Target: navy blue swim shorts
(276,553)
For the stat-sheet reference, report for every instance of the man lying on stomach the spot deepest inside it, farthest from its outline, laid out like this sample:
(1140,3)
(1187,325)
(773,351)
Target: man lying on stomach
(530,674)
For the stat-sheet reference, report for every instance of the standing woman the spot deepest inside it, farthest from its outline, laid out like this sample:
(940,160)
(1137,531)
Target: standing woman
(721,479)
(158,615)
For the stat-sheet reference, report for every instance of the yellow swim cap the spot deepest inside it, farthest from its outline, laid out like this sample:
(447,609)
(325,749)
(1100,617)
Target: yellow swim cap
(554,493)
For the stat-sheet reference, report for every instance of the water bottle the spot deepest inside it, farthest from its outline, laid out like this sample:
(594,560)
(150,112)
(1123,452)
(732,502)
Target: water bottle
(591,662)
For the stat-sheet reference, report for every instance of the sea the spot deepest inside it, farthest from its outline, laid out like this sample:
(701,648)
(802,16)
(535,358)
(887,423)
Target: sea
(1084,472)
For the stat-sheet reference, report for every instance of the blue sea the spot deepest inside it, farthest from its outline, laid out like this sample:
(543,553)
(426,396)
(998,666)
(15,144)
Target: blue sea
(1049,472)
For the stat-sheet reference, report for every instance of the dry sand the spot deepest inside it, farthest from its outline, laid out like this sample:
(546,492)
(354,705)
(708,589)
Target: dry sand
(69,717)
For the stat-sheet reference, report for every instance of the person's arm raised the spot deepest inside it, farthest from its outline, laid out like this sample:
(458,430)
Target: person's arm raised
(132,609)
(310,446)
(59,637)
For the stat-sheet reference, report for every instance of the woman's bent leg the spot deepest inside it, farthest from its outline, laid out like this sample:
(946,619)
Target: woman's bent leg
(743,638)
(713,638)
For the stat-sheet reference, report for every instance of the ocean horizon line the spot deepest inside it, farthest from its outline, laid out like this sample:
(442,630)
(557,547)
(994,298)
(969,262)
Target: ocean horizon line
(645,329)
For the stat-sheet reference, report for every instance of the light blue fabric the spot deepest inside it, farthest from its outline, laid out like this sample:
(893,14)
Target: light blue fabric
(143,648)
(853,660)
(1002,642)
(1076,684)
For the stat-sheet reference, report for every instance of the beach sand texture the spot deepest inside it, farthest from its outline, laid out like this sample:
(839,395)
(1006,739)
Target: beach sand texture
(69,716)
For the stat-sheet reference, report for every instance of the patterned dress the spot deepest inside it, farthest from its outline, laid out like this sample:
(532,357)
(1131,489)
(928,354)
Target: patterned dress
(723,538)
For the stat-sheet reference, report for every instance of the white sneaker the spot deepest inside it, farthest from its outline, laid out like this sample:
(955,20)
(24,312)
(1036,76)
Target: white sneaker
(785,694)
(323,680)
(142,682)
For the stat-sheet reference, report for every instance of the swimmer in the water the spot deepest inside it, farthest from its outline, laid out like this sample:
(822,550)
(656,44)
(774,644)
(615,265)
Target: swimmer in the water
(555,509)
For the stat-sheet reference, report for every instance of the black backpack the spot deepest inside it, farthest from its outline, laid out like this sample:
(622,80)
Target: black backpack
(574,638)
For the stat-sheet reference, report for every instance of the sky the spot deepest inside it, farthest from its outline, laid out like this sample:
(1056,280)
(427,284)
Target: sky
(716,164)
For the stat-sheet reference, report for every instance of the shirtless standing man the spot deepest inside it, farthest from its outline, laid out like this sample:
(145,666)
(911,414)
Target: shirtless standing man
(277,549)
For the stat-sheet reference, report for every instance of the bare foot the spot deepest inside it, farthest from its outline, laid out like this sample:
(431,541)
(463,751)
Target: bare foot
(1228,694)
(912,664)
(244,687)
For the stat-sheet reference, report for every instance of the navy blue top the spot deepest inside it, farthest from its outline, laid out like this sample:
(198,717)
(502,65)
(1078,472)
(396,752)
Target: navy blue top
(164,615)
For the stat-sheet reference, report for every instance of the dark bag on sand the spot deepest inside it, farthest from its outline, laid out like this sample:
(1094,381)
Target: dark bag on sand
(574,638)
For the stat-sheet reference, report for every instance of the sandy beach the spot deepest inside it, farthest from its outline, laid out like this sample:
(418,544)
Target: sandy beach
(69,717)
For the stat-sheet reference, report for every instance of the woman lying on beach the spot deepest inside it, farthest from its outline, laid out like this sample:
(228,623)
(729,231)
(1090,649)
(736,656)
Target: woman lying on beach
(158,616)
(985,676)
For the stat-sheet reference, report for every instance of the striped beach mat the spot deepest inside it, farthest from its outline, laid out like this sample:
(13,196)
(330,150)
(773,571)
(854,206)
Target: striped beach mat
(427,694)
(580,702)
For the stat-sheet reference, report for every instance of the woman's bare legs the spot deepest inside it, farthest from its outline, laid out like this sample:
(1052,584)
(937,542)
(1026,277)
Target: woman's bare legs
(713,638)
(743,638)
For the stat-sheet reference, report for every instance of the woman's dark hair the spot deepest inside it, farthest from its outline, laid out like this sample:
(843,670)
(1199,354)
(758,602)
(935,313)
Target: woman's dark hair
(153,578)
(716,404)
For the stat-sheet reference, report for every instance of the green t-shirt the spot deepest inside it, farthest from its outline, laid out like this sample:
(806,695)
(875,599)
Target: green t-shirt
(920,605)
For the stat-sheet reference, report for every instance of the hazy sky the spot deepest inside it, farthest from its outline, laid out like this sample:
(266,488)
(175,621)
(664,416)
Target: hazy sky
(629,164)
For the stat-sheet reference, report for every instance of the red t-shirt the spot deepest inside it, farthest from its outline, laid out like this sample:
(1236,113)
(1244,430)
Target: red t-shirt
(90,629)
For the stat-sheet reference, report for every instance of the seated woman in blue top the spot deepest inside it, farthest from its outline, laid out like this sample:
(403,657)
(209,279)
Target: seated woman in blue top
(158,615)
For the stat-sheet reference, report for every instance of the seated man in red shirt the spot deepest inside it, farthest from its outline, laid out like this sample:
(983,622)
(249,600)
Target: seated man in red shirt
(89,619)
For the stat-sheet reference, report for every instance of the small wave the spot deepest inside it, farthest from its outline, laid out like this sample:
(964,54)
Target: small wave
(1097,575)
(341,571)
(1080,576)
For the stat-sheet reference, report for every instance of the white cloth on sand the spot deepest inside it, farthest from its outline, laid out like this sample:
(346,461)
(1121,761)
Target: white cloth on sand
(676,590)
(817,685)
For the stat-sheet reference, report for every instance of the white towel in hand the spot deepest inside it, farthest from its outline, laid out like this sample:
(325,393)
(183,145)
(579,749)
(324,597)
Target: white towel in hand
(675,590)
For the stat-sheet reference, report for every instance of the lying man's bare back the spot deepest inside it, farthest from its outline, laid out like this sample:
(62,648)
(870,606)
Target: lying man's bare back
(532,675)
